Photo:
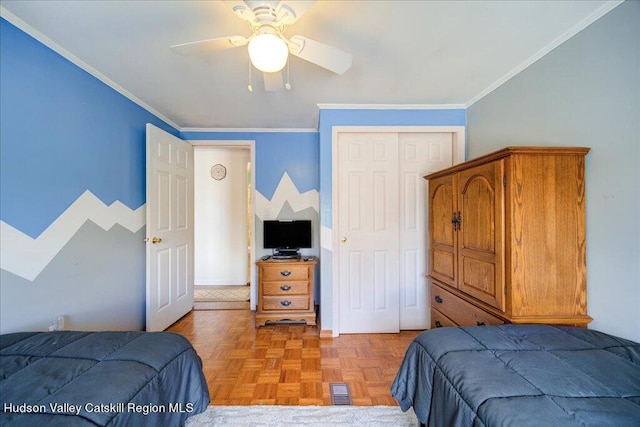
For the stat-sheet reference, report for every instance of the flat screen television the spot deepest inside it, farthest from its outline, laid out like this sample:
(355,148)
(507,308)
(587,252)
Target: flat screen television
(286,238)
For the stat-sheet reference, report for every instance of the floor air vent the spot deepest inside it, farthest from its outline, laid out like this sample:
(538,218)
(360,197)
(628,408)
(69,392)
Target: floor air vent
(340,394)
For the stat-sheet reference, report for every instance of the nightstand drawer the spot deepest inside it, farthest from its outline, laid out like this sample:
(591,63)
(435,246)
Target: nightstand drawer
(286,272)
(285,303)
(285,288)
(460,311)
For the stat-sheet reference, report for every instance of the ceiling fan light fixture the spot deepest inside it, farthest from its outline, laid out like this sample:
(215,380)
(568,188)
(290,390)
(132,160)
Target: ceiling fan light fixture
(268,52)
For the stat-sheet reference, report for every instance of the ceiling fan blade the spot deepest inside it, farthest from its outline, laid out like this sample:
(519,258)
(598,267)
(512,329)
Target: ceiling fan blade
(325,56)
(211,45)
(272,81)
(291,10)
(241,9)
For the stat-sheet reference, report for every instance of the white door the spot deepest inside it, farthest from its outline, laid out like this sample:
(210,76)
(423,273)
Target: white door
(382,228)
(368,230)
(420,154)
(169,228)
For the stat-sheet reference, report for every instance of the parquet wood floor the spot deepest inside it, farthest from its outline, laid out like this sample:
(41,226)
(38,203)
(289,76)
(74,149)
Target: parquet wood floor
(289,364)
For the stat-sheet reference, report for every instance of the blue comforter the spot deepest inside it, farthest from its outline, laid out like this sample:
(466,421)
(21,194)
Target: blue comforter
(520,375)
(99,379)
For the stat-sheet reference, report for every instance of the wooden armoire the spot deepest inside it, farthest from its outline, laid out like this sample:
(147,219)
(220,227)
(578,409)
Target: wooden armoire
(507,239)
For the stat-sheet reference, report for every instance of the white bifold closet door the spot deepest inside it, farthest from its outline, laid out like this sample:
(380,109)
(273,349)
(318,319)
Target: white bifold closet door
(382,231)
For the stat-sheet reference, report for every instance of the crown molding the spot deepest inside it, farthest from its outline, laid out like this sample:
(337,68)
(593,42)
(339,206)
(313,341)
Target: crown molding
(391,106)
(250,130)
(590,19)
(23,26)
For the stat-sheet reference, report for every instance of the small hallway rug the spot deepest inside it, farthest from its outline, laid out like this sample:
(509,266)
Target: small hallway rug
(303,416)
(221,297)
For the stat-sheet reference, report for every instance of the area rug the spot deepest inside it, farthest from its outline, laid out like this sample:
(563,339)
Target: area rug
(305,416)
(221,293)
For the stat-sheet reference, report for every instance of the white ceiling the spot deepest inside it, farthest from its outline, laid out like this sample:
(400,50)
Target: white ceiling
(404,52)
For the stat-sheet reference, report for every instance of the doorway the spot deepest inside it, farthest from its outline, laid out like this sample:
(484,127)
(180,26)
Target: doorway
(223,226)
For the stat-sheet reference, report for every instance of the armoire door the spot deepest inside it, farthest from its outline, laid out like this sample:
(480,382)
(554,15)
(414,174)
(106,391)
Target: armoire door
(481,235)
(443,254)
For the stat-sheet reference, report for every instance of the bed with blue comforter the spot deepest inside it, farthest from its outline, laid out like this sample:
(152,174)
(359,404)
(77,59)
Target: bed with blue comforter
(99,379)
(520,375)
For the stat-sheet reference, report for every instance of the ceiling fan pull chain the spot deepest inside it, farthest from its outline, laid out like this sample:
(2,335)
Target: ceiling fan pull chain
(250,88)
(288,85)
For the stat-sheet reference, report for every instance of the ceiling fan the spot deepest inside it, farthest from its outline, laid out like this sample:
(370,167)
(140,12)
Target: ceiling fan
(268,47)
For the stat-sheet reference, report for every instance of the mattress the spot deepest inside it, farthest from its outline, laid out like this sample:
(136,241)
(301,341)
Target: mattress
(99,379)
(520,375)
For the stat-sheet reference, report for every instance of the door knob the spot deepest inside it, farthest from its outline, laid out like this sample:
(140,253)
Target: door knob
(156,240)
(344,240)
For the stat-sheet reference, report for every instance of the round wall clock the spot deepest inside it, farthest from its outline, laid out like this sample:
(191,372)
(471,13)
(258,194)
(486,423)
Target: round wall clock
(218,172)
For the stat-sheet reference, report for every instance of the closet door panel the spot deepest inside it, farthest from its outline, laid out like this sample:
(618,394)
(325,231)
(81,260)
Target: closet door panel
(419,153)
(368,230)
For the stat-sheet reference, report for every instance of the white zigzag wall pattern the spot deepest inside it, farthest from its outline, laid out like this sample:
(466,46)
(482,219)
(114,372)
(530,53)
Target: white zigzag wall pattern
(27,257)
(286,192)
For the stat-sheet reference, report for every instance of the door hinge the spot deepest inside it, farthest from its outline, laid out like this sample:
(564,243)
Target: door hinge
(504,180)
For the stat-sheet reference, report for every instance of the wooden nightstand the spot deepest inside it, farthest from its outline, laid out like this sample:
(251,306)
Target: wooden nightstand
(285,291)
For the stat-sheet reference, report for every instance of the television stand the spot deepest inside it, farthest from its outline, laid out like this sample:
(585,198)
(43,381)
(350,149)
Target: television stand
(285,291)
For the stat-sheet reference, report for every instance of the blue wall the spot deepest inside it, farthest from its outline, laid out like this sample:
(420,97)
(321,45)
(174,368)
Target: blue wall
(64,133)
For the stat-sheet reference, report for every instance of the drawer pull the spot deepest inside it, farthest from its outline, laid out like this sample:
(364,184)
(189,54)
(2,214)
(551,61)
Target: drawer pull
(285,288)
(438,299)
(285,303)
(438,324)
(479,323)
(285,273)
